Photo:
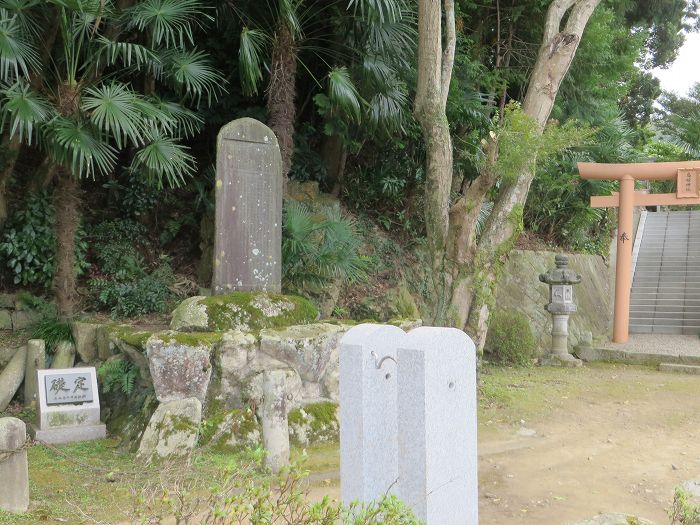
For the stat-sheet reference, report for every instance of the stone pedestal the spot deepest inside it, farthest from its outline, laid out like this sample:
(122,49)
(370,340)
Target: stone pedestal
(14,470)
(275,425)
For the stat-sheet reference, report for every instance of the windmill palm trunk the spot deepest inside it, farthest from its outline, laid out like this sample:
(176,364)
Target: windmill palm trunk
(67,205)
(281,95)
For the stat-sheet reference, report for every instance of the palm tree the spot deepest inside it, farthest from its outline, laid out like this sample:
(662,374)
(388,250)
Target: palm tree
(92,103)
(360,47)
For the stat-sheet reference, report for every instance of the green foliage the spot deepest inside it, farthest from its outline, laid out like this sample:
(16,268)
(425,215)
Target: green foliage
(28,246)
(49,328)
(319,247)
(124,281)
(118,375)
(509,339)
(136,291)
(683,512)
(521,144)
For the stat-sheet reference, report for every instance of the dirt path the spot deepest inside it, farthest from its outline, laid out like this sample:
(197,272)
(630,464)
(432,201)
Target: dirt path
(607,439)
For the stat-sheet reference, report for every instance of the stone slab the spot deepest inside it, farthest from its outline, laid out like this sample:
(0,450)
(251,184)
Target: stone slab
(609,355)
(679,369)
(248,218)
(14,470)
(369,464)
(36,360)
(437,426)
(22,319)
(62,435)
(172,430)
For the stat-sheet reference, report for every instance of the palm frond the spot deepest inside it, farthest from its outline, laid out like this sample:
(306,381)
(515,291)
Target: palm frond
(193,73)
(128,54)
(185,123)
(171,22)
(17,55)
(25,109)
(77,146)
(112,108)
(343,94)
(288,13)
(162,159)
(381,10)
(387,110)
(250,56)
(26,16)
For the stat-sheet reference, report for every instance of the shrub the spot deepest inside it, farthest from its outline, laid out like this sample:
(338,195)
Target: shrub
(318,248)
(136,292)
(124,282)
(28,246)
(509,340)
(248,494)
(683,512)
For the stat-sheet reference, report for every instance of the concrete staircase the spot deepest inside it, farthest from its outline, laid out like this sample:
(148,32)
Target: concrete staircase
(666,284)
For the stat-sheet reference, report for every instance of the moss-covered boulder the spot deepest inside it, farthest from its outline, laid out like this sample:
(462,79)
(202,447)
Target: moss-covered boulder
(172,430)
(315,424)
(246,311)
(231,431)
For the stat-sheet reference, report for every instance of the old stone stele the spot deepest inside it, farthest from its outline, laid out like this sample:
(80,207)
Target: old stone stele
(248,224)
(69,406)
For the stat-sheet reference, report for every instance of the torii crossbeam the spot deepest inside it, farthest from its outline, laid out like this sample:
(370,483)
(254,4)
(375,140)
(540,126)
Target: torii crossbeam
(687,193)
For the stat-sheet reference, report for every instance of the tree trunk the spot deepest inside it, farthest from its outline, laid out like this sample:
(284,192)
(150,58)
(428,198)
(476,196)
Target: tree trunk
(11,148)
(434,75)
(466,266)
(334,155)
(67,204)
(281,95)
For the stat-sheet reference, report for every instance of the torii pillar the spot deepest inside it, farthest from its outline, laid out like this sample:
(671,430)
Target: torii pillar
(687,193)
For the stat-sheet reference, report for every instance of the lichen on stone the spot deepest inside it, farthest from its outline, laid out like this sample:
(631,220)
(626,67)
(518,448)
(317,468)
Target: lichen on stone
(313,424)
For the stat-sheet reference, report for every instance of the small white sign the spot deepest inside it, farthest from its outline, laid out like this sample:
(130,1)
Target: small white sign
(66,388)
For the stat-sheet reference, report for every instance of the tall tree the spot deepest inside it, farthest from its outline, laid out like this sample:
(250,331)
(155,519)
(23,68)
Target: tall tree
(465,264)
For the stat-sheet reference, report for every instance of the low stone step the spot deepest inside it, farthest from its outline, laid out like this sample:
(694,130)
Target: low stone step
(679,369)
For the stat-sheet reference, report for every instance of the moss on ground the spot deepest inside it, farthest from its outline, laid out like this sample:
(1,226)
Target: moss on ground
(192,338)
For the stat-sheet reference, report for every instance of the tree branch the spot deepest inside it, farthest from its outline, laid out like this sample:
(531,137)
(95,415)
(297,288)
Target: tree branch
(448,54)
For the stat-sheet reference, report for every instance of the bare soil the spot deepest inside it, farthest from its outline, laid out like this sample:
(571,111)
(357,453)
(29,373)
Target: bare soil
(607,439)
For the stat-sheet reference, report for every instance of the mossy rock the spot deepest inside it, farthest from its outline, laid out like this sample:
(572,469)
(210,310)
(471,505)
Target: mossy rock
(245,311)
(130,335)
(314,424)
(230,431)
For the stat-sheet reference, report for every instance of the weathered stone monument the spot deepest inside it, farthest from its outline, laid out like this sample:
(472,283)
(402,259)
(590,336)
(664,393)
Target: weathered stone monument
(408,420)
(437,426)
(248,225)
(561,305)
(14,471)
(69,406)
(368,415)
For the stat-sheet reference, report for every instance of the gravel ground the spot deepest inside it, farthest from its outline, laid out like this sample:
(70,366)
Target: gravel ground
(669,344)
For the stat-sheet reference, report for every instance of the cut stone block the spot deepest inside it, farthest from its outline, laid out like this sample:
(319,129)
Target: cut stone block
(14,470)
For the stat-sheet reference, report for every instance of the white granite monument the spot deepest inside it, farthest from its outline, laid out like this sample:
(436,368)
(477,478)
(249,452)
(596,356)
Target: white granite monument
(69,406)
(408,420)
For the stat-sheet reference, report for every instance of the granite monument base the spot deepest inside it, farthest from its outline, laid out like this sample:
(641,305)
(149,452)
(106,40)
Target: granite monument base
(61,435)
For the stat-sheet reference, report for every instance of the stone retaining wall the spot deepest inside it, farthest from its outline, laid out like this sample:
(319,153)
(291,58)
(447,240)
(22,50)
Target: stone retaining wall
(520,290)
(14,314)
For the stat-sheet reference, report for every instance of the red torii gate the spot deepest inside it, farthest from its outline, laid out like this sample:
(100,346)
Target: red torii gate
(687,193)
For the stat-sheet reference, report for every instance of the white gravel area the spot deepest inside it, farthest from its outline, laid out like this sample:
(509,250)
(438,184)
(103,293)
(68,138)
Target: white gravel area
(670,344)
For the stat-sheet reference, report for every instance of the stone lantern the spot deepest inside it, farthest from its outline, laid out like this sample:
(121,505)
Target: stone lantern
(561,305)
